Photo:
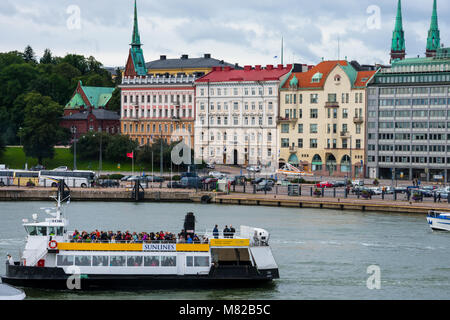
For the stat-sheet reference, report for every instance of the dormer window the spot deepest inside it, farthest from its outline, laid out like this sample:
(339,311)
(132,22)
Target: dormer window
(316,78)
(337,78)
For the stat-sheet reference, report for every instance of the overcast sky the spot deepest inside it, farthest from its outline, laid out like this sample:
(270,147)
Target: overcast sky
(247,32)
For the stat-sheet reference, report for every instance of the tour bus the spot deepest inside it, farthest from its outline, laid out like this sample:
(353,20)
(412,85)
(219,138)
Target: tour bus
(26,178)
(6,177)
(74,179)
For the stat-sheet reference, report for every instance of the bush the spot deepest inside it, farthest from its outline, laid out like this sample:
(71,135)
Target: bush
(176,178)
(317,192)
(376,182)
(116,176)
(365,194)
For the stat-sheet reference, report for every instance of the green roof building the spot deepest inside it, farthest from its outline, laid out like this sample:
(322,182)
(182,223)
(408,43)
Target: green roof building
(85,98)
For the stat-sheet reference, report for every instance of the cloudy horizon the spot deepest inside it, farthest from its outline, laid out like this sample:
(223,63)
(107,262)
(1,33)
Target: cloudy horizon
(246,32)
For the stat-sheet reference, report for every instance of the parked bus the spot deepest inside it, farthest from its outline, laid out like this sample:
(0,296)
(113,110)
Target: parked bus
(6,177)
(74,179)
(26,178)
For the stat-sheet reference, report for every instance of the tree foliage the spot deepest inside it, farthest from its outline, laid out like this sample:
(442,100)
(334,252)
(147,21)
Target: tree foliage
(51,76)
(41,130)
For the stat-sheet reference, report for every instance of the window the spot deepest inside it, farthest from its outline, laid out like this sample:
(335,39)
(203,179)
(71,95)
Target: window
(313,143)
(285,142)
(151,261)
(300,143)
(197,261)
(117,261)
(300,128)
(64,260)
(314,113)
(285,128)
(168,261)
(83,261)
(313,128)
(314,98)
(134,261)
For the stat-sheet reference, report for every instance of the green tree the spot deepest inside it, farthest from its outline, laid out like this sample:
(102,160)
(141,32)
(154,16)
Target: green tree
(41,130)
(115,101)
(118,79)
(47,57)
(16,79)
(9,58)
(29,56)
(88,145)
(2,146)
(118,147)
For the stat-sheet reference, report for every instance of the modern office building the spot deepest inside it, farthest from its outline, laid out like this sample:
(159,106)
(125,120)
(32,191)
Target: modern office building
(408,132)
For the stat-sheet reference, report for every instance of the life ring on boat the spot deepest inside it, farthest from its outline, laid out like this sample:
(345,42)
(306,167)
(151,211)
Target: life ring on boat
(53,244)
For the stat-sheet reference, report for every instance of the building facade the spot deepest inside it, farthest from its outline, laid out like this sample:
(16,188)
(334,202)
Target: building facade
(321,127)
(409,119)
(158,97)
(236,115)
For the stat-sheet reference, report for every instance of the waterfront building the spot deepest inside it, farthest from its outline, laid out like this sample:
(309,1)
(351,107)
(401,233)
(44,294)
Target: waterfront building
(157,98)
(408,128)
(236,115)
(321,127)
(87,111)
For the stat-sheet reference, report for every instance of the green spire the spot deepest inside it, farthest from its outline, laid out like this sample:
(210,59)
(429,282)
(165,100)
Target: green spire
(136,37)
(398,37)
(433,41)
(136,51)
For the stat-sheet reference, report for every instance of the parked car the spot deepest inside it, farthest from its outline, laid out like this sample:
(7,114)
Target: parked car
(210,180)
(324,184)
(426,193)
(174,184)
(125,178)
(338,184)
(257,180)
(217,174)
(375,190)
(357,182)
(400,189)
(38,167)
(191,182)
(62,168)
(263,187)
(109,183)
(210,166)
(254,168)
(283,182)
(153,179)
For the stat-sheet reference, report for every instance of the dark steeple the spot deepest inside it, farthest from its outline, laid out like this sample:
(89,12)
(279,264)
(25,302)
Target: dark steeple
(136,62)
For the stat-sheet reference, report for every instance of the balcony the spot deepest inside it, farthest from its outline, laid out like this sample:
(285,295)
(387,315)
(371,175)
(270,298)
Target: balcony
(358,120)
(293,149)
(344,134)
(331,104)
(286,119)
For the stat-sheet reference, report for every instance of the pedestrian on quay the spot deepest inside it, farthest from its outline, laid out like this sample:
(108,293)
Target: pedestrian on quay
(232,231)
(226,232)
(216,232)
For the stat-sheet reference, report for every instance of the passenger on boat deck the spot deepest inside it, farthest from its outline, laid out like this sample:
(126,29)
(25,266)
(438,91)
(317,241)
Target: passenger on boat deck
(216,232)
(189,239)
(10,260)
(226,232)
(232,231)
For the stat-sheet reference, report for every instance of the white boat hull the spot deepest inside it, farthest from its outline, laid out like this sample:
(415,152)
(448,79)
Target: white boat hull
(439,223)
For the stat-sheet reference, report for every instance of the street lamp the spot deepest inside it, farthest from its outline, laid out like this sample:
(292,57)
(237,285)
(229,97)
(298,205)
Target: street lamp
(74,132)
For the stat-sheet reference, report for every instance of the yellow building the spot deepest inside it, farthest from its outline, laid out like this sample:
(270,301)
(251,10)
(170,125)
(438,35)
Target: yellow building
(321,125)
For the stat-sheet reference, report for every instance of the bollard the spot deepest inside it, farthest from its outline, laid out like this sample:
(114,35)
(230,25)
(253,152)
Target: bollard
(299,189)
(334,192)
(395,195)
(345,193)
(358,193)
(245,182)
(254,188)
(382,194)
(323,192)
(448,199)
(434,196)
(276,189)
(310,191)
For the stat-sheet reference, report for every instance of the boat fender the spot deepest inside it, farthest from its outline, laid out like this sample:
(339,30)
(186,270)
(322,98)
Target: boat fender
(205,199)
(53,244)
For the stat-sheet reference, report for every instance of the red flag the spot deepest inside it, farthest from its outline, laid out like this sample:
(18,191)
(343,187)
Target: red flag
(130,155)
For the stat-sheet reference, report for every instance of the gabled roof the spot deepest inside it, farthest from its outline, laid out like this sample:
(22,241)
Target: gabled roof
(100,114)
(96,97)
(256,73)
(357,78)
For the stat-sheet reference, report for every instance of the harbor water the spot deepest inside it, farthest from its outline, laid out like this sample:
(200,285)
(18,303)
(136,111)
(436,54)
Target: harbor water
(321,254)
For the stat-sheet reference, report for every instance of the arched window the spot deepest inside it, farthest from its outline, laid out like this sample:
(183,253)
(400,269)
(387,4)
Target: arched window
(345,164)
(316,163)
(331,164)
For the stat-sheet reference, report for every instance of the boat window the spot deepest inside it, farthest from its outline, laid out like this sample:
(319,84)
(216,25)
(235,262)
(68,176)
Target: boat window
(117,261)
(41,231)
(100,261)
(151,261)
(31,230)
(189,261)
(168,261)
(201,261)
(52,231)
(60,231)
(63,260)
(83,261)
(134,261)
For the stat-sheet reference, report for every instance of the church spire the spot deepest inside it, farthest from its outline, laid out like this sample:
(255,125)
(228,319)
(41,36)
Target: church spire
(433,40)
(398,36)
(135,64)
(136,37)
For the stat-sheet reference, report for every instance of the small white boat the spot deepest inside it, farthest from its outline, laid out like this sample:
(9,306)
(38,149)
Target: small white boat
(10,293)
(439,220)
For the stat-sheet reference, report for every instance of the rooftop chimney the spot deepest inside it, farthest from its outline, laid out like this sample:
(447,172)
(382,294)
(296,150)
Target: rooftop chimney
(162,57)
(184,56)
(207,56)
(258,67)
(269,67)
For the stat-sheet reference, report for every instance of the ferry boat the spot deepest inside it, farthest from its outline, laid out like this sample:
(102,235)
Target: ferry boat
(53,259)
(439,220)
